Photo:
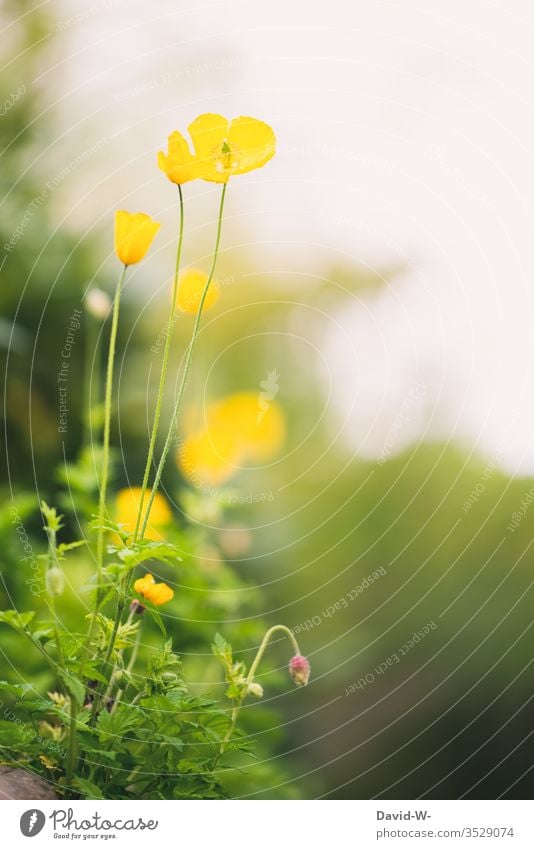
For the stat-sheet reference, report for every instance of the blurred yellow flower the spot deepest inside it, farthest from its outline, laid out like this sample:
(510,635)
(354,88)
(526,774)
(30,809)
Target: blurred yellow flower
(127,505)
(156,593)
(179,164)
(260,432)
(236,431)
(134,232)
(225,148)
(192,282)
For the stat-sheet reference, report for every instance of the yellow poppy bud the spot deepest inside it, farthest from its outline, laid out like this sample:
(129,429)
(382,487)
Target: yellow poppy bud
(179,164)
(134,233)
(192,283)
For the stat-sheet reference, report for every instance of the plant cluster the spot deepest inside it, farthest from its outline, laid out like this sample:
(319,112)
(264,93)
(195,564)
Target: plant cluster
(123,722)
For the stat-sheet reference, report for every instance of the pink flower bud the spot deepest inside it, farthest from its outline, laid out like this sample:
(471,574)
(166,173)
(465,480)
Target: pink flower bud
(299,669)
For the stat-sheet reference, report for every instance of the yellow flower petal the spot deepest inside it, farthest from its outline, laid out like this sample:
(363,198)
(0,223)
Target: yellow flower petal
(260,428)
(179,164)
(142,585)
(192,283)
(156,593)
(237,429)
(254,142)
(160,594)
(208,132)
(209,458)
(227,148)
(134,233)
(127,506)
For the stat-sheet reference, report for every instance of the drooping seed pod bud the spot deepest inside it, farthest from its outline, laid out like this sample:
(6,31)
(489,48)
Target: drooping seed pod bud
(55,581)
(136,607)
(97,303)
(299,670)
(255,690)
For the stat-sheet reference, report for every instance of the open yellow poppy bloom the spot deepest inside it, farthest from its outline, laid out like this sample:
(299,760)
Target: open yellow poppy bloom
(236,431)
(178,164)
(192,282)
(260,432)
(127,505)
(156,593)
(134,233)
(225,148)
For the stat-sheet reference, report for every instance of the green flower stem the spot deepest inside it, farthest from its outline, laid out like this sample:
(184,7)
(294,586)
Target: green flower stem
(121,604)
(250,679)
(107,428)
(164,365)
(187,367)
(131,664)
(53,562)
(105,470)
(120,654)
(122,601)
(88,383)
(50,660)
(72,746)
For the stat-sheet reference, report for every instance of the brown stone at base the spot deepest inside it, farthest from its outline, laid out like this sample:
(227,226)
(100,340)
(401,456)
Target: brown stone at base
(20,784)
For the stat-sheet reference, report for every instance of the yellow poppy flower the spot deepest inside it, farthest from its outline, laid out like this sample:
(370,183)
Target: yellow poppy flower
(127,506)
(236,431)
(211,456)
(225,148)
(178,164)
(156,593)
(192,282)
(134,233)
(260,431)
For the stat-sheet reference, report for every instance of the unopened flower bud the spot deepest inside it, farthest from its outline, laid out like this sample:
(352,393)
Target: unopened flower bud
(255,690)
(98,303)
(169,677)
(136,607)
(299,670)
(55,581)
(121,679)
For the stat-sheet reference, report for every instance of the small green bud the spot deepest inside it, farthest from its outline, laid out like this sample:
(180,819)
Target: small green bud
(121,679)
(255,690)
(169,677)
(55,581)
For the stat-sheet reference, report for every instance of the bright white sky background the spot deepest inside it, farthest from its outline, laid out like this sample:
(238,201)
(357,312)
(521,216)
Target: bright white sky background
(406,137)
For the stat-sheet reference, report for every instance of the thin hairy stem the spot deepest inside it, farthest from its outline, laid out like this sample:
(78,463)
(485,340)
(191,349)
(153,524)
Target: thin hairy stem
(164,366)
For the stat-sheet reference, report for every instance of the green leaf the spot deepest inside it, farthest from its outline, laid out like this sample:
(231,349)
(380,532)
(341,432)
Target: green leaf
(52,518)
(73,686)
(113,725)
(68,546)
(88,789)
(156,616)
(16,620)
(149,550)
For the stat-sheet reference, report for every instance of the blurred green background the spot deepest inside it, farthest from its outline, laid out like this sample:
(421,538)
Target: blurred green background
(444,714)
